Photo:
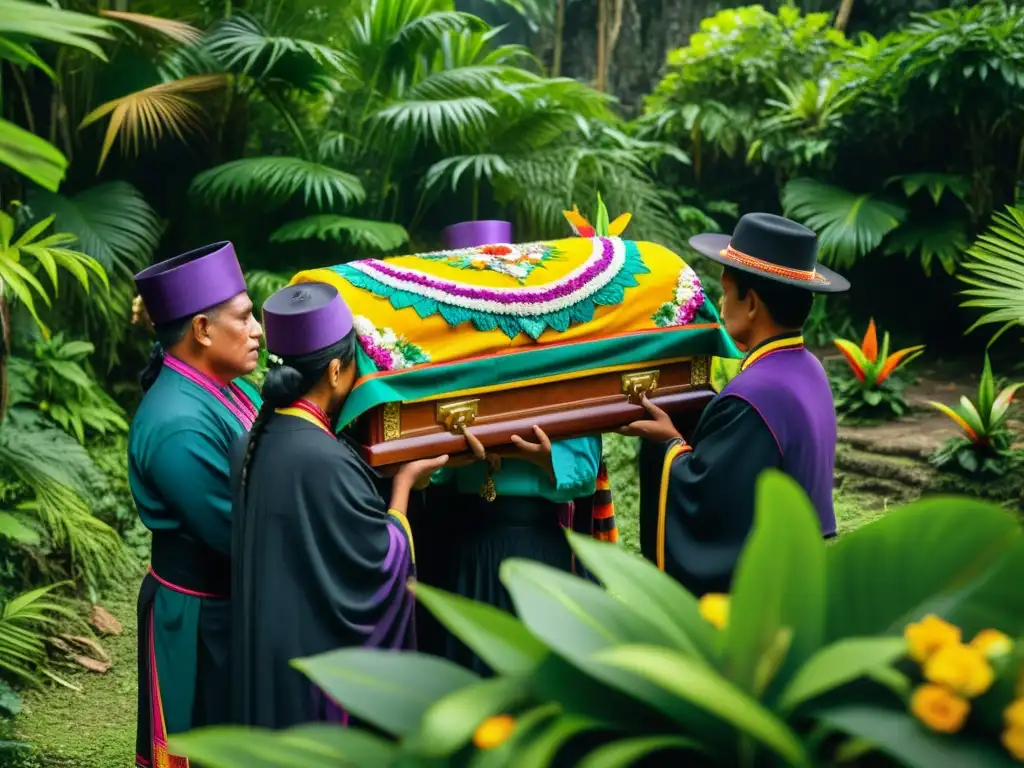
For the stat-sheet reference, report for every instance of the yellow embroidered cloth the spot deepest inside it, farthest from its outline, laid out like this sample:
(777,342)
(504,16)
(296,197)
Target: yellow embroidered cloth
(456,305)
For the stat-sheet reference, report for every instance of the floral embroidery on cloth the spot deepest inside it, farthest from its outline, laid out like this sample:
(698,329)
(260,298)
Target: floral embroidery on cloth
(601,280)
(516,261)
(687,302)
(388,351)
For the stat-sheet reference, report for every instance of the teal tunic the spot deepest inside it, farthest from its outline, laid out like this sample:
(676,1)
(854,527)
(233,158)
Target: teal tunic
(178,471)
(463,539)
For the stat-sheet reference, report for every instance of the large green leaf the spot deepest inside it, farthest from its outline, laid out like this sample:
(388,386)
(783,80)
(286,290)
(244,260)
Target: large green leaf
(12,528)
(571,615)
(448,725)
(849,225)
(622,754)
(376,235)
(928,556)
(998,601)
(31,156)
(113,223)
(33,20)
(944,240)
(703,687)
(838,664)
(540,750)
(390,690)
(904,738)
(638,583)
(306,746)
(497,637)
(778,589)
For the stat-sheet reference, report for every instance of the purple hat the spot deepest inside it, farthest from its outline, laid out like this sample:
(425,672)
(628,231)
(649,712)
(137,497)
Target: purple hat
(472,233)
(190,283)
(304,318)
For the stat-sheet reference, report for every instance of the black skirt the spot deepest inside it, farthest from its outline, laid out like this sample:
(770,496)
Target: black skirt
(461,542)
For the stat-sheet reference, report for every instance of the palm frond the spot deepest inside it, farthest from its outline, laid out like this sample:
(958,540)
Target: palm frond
(31,156)
(176,30)
(278,179)
(995,270)
(58,471)
(113,223)
(55,25)
(442,120)
(243,45)
(849,225)
(382,236)
(489,167)
(144,116)
(26,621)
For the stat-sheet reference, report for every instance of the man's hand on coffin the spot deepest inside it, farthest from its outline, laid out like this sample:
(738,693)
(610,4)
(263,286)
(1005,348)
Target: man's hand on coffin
(538,453)
(477,453)
(658,428)
(416,474)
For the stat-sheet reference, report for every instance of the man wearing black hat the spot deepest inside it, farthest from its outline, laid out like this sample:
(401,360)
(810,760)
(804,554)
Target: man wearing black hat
(697,500)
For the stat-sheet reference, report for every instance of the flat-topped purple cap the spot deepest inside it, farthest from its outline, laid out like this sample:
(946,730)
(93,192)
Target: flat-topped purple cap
(472,233)
(304,318)
(190,283)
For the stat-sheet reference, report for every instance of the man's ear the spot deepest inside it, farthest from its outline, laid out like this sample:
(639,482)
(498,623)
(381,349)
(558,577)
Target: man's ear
(334,372)
(201,329)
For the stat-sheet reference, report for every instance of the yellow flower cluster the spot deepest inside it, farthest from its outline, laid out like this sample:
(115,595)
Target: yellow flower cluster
(956,673)
(714,607)
(494,731)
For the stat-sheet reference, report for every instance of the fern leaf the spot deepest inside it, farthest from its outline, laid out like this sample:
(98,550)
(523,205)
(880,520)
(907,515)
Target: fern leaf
(278,179)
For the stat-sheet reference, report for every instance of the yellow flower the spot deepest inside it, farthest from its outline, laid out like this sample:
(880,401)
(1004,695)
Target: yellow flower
(939,708)
(1013,715)
(714,607)
(494,731)
(928,635)
(1013,740)
(992,643)
(962,668)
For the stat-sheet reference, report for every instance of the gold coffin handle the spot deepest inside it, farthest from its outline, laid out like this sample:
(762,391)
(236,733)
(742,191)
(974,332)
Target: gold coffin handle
(455,417)
(636,385)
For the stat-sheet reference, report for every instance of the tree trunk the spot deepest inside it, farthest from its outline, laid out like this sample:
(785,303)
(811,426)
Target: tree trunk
(843,14)
(556,64)
(602,40)
(613,34)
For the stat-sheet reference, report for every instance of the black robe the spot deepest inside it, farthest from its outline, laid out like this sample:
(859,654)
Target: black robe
(319,563)
(709,507)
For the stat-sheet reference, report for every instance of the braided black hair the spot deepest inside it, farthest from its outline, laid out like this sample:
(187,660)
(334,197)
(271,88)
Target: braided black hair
(167,336)
(286,383)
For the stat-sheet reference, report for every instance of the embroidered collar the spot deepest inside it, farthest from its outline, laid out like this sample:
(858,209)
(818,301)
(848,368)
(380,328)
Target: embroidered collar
(308,411)
(774,344)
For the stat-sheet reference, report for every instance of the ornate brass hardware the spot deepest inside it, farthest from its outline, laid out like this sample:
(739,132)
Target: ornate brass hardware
(700,371)
(455,417)
(636,385)
(392,421)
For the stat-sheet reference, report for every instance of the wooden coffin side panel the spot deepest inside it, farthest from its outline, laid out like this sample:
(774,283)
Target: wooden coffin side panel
(587,405)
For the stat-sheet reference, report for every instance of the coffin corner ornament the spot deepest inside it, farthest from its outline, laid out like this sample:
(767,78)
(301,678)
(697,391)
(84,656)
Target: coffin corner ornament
(567,334)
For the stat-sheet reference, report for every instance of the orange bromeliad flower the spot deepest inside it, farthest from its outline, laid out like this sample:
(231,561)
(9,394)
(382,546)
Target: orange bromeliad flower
(983,418)
(871,366)
(583,228)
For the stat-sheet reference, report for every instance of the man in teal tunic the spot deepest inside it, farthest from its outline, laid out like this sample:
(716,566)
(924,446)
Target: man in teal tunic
(195,406)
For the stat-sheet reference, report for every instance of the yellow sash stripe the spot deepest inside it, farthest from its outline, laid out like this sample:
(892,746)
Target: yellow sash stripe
(673,453)
(304,415)
(404,522)
(757,354)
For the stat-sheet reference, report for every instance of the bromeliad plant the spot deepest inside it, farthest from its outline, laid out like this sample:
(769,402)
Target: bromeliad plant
(873,391)
(984,446)
(804,664)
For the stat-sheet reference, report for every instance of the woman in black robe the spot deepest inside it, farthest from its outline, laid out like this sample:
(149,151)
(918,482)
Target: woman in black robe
(321,560)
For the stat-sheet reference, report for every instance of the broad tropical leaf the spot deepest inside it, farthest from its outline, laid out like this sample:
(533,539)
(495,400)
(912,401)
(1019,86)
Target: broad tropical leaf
(278,179)
(849,225)
(380,236)
(944,240)
(389,690)
(113,223)
(937,184)
(627,752)
(489,167)
(318,745)
(55,25)
(178,31)
(995,271)
(31,156)
(440,120)
(146,115)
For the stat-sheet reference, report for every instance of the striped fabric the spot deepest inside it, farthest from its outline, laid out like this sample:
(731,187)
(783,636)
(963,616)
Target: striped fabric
(604,527)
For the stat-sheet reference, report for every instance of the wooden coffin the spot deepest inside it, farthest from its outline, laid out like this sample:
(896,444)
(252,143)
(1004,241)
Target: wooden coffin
(627,319)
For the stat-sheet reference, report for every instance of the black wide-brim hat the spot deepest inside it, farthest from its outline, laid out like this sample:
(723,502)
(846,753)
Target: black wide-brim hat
(774,248)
